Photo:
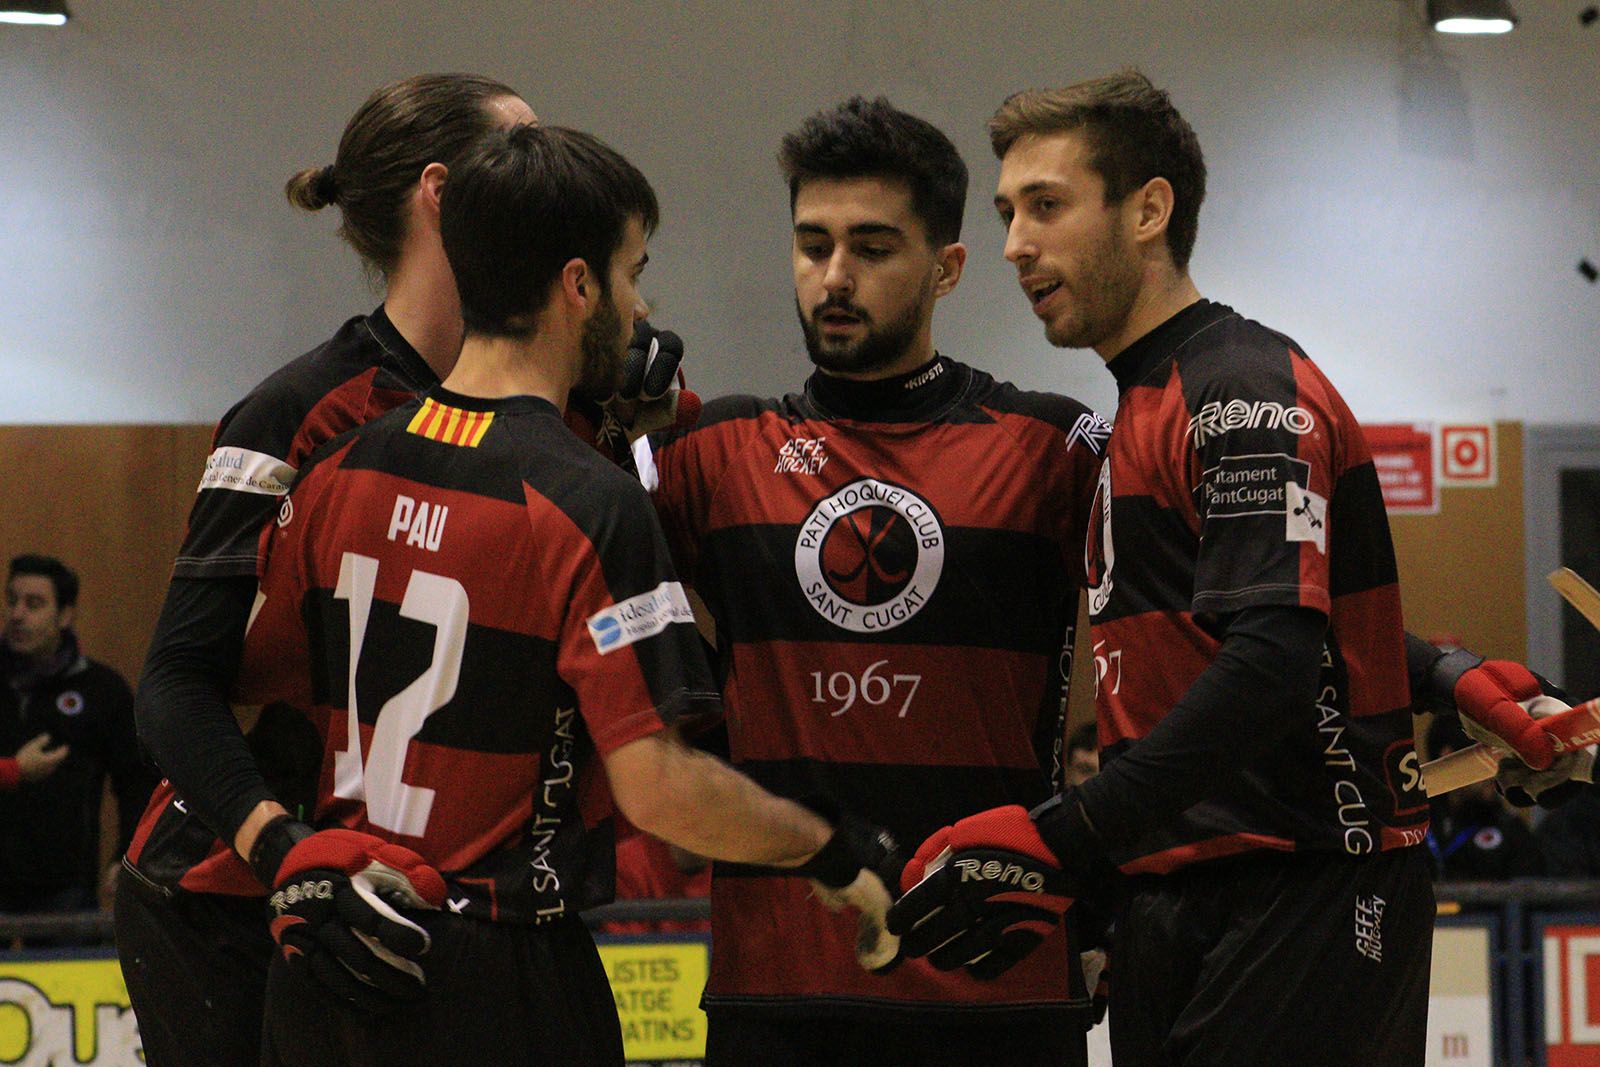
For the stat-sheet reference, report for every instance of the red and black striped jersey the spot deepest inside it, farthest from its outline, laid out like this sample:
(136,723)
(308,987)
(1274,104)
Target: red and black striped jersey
(894,568)
(359,373)
(1238,478)
(474,605)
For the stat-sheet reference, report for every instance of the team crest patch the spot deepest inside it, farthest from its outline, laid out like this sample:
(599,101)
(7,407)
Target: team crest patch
(869,557)
(70,702)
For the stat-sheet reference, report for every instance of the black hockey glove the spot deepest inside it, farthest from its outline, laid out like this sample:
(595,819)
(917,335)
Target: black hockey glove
(984,893)
(334,910)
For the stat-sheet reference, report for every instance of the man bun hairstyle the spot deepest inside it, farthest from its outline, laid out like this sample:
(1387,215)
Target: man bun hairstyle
(1134,134)
(520,206)
(431,118)
(863,138)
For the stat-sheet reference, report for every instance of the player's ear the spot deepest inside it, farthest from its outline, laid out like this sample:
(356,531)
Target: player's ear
(430,187)
(577,284)
(952,257)
(1152,206)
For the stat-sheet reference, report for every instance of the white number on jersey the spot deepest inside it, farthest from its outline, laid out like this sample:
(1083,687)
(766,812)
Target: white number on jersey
(376,780)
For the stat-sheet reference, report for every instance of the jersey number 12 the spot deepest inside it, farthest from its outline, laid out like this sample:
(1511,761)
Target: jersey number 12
(430,598)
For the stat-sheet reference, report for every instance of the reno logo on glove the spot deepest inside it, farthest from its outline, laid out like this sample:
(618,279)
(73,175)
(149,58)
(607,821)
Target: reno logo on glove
(290,895)
(973,870)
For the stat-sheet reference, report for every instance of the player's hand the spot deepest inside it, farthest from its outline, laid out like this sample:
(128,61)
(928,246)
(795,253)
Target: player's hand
(1497,702)
(1570,773)
(859,867)
(651,395)
(37,759)
(335,915)
(980,894)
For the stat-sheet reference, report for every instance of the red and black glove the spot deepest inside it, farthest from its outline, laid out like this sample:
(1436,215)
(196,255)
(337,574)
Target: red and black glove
(1493,701)
(981,894)
(335,910)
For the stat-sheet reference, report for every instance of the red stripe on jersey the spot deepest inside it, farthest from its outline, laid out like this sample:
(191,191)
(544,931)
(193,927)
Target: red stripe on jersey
(1390,837)
(972,481)
(352,403)
(191,866)
(1146,663)
(371,498)
(881,703)
(1153,457)
(762,955)
(481,800)
(1211,849)
(163,795)
(222,872)
(618,707)
(1378,680)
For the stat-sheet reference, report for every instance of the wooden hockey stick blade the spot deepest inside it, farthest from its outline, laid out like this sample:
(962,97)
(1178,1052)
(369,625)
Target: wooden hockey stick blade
(1577,727)
(1460,768)
(1577,592)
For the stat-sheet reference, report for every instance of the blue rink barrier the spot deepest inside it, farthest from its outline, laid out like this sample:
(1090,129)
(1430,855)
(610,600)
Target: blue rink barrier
(1543,969)
(1516,981)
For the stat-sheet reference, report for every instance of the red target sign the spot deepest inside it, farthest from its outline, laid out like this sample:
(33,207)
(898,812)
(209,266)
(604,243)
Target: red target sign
(1466,454)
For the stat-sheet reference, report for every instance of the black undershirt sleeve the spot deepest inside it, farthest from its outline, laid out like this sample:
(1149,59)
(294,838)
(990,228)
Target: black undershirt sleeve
(1259,687)
(182,709)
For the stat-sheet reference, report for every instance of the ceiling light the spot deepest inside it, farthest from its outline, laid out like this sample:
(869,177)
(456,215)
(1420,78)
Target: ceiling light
(1471,16)
(34,12)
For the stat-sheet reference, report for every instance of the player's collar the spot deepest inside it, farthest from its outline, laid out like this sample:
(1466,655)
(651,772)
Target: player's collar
(915,396)
(1133,364)
(407,361)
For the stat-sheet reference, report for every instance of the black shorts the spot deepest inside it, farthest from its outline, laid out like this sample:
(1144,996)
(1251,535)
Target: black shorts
(196,970)
(498,996)
(782,1041)
(1318,960)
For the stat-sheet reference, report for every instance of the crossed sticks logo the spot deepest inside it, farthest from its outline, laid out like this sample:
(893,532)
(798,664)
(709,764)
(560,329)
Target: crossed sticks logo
(869,557)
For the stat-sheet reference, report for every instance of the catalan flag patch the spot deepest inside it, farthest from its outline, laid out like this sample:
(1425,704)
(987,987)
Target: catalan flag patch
(451,426)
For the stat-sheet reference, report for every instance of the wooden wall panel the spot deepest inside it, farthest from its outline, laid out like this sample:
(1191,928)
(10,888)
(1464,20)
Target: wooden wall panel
(111,502)
(1461,571)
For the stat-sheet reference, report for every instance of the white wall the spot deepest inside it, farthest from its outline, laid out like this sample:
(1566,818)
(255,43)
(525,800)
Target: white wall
(1410,207)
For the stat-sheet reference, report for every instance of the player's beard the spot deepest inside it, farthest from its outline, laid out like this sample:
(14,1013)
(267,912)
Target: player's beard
(880,347)
(604,347)
(1107,283)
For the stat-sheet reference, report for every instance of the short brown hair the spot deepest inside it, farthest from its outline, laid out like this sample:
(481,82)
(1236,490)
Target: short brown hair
(1134,134)
(522,204)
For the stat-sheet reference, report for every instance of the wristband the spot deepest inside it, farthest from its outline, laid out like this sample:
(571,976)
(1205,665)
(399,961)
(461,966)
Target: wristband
(1440,686)
(273,843)
(835,864)
(1065,828)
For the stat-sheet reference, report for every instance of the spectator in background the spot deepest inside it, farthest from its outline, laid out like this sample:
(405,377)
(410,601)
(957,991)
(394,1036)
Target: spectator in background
(1569,837)
(651,869)
(1083,754)
(66,721)
(1474,835)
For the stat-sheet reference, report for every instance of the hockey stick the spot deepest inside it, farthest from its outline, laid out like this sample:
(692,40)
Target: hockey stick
(1577,592)
(1576,727)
